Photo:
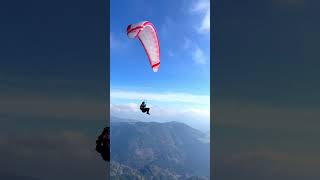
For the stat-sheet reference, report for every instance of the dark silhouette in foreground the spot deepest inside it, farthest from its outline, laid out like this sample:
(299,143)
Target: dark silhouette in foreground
(143,108)
(103,144)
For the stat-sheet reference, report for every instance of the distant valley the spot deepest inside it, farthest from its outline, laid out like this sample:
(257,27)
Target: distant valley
(151,150)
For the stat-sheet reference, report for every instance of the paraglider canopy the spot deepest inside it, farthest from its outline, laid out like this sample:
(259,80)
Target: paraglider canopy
(147,34)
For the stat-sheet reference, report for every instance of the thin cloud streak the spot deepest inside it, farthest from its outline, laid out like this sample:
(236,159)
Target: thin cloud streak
(202,7)
(199,56)
(161,97)
(133,107)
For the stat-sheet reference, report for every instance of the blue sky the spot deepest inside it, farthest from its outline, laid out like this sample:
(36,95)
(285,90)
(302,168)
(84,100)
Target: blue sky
(183,80)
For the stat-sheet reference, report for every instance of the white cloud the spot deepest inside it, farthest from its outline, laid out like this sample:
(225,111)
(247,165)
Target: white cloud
(191,109)
(197,118)
(202,7)
(199,56)
(161,97)
(162,111)
(204,112)
(130,107)
(205,24)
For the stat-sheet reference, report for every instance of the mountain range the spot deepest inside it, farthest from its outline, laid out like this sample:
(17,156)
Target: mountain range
(152,150)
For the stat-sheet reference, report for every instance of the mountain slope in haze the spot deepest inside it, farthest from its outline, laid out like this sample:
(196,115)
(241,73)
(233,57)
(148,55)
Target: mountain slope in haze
(148,149)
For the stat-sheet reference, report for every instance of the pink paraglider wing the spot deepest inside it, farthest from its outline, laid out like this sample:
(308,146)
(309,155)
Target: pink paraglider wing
(147,34)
